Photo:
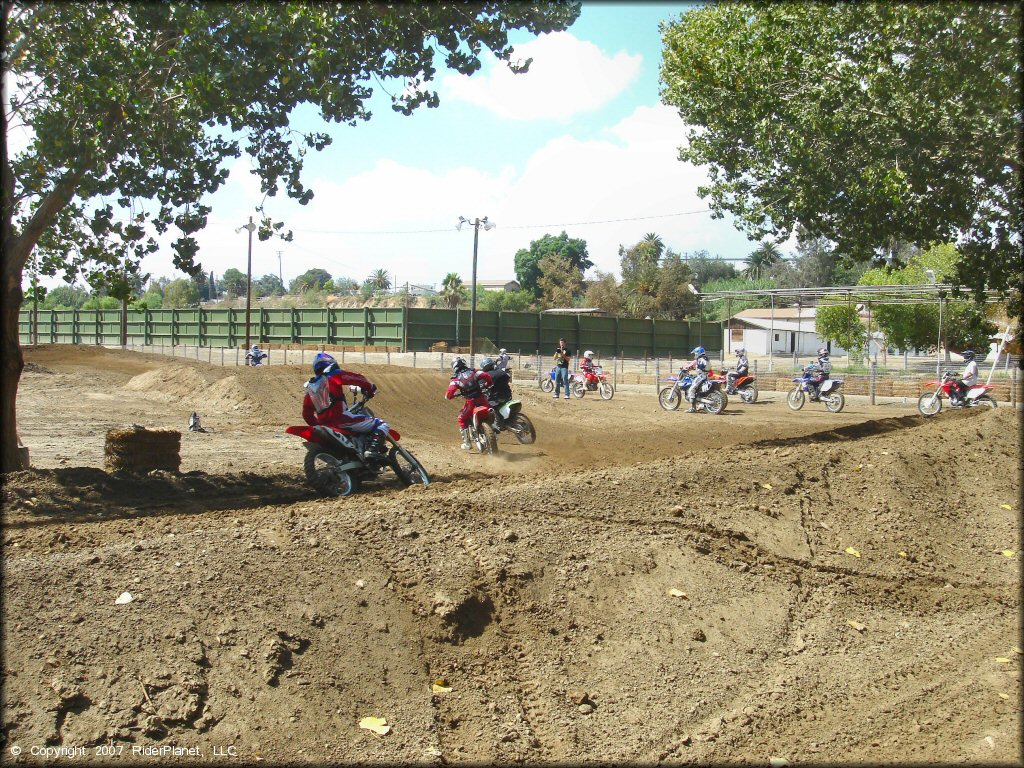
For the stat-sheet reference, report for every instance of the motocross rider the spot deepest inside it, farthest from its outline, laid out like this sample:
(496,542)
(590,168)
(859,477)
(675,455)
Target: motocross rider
(741,369)
(700,364)
(968,380)
(819,371)
(471,384)
(504,360)
(325,404)
(500,390)
(257,354)
(587,366)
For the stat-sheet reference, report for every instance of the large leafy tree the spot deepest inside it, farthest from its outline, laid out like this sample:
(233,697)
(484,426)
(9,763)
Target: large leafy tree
(863,122)
(310,280)
(234,282)
(561,281)
(706,268)
(527,261)
(136,107)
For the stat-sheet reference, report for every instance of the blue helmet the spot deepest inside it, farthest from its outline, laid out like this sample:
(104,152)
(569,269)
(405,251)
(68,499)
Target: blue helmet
(323,363)
(698,352)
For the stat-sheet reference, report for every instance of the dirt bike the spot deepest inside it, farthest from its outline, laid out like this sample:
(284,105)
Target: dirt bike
(335,465)
(930,403)
(548,385)
(581,383)
(828,393)
(711,398)
(516,422)
(256,359)
(482,434)
(744,386)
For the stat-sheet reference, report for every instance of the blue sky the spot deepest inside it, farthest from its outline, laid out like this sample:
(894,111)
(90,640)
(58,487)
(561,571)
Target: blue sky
(581,143)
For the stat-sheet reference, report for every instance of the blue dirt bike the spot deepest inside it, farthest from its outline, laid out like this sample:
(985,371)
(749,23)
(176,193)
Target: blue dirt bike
(710,398)
(828,394)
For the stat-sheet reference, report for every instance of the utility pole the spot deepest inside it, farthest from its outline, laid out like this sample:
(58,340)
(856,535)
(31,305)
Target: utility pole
(472,305)
(280,274)
(248,280)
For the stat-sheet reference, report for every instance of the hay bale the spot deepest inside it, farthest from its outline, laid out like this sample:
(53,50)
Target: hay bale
(137,449)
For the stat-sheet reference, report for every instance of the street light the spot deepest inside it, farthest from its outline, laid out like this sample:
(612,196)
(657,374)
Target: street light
(472,304)
(248,278)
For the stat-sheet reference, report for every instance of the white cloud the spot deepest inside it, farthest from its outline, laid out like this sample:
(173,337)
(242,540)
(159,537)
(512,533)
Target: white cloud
(568,76)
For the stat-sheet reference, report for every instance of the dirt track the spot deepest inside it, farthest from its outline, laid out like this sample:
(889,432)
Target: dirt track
(271,621)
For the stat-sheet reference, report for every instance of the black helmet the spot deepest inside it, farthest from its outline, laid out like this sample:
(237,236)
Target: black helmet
(968,355)
(487,364)
(459,364)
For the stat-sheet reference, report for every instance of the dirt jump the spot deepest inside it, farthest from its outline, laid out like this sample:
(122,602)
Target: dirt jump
(641,586)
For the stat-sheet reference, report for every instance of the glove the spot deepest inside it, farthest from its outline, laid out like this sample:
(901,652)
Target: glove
(372,391)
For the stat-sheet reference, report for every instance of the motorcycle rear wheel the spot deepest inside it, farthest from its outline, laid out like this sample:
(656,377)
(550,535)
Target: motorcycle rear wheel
(521,426)
(985,400)
(486,440)
(715,404)
(322,473)
(547,385)
(795,399)
(929,404)
(669,399)
(834,402)
(606,390)
(748,394)
(407,467)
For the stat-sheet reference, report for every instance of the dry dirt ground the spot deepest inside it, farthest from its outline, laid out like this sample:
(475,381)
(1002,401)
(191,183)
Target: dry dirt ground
(638,586)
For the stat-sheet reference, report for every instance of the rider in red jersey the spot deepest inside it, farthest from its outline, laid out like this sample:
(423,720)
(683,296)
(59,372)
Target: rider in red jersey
(472,385)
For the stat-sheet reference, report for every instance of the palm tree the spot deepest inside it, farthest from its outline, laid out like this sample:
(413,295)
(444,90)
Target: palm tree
(761,259)
(453,292)
(654,244)
(379,279)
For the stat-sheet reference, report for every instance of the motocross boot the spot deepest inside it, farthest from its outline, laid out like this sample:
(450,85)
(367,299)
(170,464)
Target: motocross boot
(465,439)
(376,448)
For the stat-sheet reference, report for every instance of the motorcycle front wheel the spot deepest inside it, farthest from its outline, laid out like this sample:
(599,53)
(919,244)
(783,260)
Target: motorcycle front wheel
(407,467)
(795,399)
(578,388)
(929,404)
(521,426)
(834,402)
(323,474)
(607,391)
(547,385)
(669,398)
(748,394)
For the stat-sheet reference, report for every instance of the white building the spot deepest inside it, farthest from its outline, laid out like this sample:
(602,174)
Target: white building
(509,286)
(789,331)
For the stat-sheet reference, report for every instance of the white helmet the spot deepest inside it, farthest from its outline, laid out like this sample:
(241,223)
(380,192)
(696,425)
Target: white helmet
(502,351)
(589,355)
(740,351)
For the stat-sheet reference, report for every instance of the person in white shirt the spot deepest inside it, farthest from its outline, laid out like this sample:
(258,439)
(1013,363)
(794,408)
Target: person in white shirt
(968,380)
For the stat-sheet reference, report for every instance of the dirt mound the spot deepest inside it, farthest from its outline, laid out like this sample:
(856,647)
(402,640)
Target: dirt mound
(175,382)
(639,586)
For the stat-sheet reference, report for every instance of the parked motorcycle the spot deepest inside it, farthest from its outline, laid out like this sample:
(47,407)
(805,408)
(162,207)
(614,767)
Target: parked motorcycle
(745,386)
(580,383)
(335,465)
(710,398)
(516,422)
(547,386)
(930,403)
(829,393)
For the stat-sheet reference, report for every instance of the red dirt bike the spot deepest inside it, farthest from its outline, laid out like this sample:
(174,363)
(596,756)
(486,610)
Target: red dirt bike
(482,434)
(744,386)
(930,403)
(335,465)
(582,382)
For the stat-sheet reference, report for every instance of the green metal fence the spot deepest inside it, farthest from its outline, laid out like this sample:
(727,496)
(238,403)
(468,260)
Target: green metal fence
(397,329)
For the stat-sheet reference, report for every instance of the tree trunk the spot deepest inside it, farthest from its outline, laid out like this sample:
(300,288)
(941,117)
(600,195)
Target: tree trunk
(13,363)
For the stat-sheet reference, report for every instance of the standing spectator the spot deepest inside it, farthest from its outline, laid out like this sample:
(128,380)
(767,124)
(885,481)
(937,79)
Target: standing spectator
(562,359)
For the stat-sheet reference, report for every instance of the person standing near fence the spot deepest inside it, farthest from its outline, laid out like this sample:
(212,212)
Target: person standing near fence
(562,359)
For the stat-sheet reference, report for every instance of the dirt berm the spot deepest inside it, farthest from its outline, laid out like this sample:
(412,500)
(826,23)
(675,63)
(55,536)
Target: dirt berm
(639,586)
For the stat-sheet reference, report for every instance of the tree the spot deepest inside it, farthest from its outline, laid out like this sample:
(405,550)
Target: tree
(268,285)
(653,289)
(761,260)
(504,301)
(603,292)
(65,297)
(311,280)
(149,101)
(842,324)
(379,279)
(706,268)
(863,122)
(345,286)
(675,300)
(181,293)
(527,262)
(234,283)
(560,282)
(721,309)
(453,292)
